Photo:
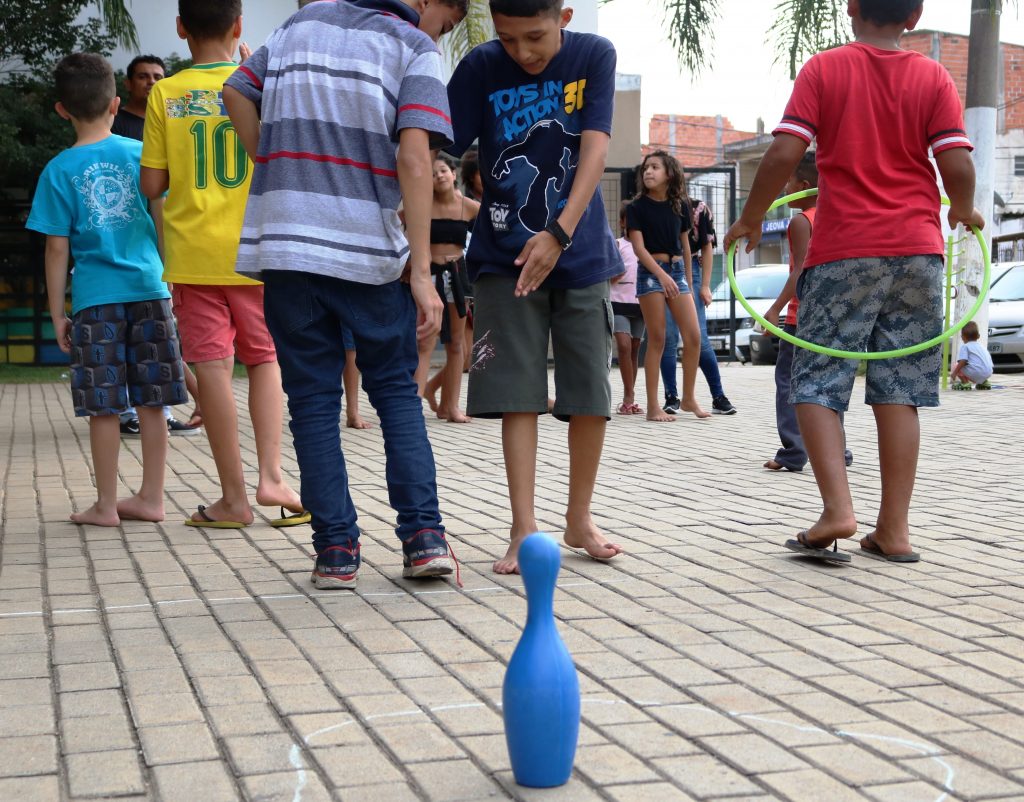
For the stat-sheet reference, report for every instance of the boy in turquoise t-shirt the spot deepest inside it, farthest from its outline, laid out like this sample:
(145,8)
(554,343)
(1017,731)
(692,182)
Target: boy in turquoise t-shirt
(121,336)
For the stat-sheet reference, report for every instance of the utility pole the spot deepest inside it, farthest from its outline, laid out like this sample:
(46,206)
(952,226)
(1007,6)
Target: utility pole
(984,61)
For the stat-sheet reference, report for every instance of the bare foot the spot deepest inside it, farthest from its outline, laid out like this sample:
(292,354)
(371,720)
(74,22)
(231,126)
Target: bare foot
(95,516)
(220,511)
(509,564)
(272,494)
(138,509)
(660,416)
(590,539)
(772,465)
(825,530)
(431,399)
(355,422)
(454,416)
(889,542)
(694,407)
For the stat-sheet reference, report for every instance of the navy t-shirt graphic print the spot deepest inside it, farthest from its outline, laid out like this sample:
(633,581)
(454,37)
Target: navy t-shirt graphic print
(530,131)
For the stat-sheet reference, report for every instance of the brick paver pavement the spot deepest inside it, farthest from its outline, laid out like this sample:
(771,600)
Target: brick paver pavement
(165,662)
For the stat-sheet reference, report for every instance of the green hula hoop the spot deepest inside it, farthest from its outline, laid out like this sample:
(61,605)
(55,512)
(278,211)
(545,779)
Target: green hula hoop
(821,349)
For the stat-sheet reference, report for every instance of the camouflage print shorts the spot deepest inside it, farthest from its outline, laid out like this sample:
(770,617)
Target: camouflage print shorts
(870,304)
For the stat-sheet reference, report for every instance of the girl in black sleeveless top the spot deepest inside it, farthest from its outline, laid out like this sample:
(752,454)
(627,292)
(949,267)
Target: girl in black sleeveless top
(451,220)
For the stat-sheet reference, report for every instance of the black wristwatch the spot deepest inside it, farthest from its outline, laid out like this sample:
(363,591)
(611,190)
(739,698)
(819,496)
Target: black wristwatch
(556,231)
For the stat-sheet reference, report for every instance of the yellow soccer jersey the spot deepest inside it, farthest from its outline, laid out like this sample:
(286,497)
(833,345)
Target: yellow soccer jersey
(188,133)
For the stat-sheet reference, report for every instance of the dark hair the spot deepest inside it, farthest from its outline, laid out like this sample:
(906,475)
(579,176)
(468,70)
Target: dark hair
(887,12)
(971,331)
(676,180)
(85,85)
(461,5)
(526,8)
(445,159)
(469,170)
(208,19)
(807,169)
(135,62)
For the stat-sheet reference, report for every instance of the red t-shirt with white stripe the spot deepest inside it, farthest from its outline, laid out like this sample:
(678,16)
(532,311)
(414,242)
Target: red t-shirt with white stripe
(875,114)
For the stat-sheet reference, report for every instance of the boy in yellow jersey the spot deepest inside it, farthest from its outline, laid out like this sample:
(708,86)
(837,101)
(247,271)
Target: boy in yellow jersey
(190,147)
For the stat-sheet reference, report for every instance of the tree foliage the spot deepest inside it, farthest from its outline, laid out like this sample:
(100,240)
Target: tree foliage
(34,35)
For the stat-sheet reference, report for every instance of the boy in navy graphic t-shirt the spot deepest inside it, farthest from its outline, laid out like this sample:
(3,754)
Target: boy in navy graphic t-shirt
(540,101)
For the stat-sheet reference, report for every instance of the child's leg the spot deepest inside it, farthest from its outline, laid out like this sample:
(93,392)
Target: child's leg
(266,409)
(634,356)
(653,308)
(825,441)
(624,349)
(452,373)
(105,442)
(433,388)
(350,381)
(586,440)
(899,441)
(519,445)
(792,454)
(685,315)
(221,421)
(425,349)
(148,503)
(670,358)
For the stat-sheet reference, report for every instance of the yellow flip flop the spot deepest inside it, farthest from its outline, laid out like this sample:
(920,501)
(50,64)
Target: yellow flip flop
(295,519)
(210,523)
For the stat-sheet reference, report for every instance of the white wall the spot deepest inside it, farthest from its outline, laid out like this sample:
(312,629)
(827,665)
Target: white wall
(154,21)
(584,17)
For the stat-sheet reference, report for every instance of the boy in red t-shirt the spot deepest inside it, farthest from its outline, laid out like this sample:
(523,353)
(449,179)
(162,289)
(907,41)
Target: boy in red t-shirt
(872,277)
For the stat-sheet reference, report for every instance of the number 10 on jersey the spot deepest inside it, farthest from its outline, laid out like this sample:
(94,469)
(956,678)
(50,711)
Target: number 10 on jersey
(230,165)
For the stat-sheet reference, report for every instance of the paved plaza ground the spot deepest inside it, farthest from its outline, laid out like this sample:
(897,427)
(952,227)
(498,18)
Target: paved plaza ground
(166,662)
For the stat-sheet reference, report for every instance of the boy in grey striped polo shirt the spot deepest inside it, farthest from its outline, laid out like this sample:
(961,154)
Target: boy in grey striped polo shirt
(320,109)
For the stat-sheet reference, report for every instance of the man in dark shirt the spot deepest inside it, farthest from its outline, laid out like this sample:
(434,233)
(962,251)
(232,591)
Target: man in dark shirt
(143,72)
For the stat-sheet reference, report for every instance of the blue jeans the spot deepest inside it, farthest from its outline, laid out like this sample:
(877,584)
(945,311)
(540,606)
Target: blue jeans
(306,314)
(708,360)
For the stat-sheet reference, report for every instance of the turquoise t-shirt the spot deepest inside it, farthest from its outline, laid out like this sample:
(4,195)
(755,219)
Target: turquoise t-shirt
(90,194)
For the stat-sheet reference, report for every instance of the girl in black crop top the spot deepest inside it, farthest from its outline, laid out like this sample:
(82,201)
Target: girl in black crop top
(452,218)
(658,224)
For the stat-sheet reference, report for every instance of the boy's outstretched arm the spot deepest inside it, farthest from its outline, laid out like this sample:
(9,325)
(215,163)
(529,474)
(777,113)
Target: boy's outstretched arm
(58,250)
(542,250)
(957,170)
(245,117)
(776,167)
(416,181)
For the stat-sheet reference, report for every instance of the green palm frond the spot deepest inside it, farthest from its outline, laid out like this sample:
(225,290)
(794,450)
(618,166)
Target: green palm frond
(475,29)
(805,27)
(691,30)
(119,22)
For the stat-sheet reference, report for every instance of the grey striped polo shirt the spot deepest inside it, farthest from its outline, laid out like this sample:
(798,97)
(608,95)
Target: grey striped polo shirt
(334,86)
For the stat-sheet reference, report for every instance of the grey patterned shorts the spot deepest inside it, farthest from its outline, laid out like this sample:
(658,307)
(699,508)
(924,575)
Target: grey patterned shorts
(870,304)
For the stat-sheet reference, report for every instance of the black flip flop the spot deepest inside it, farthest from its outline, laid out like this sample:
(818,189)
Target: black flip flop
(802,547)
(875,552)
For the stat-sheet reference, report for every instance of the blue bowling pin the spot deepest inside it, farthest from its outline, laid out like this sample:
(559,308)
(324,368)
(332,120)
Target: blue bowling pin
(541,693)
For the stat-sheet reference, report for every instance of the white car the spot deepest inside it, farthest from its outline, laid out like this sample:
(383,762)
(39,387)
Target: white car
(760,285)
(1006,316)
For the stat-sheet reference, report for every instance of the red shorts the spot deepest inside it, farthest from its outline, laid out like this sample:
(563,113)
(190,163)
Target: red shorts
(216,322)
